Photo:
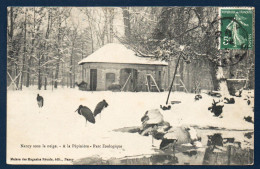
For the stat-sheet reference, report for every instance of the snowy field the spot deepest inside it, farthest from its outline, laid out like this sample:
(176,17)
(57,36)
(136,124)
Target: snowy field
(58,124)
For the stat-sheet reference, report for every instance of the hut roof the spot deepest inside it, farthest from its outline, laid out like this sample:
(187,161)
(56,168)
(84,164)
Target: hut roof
(118,53)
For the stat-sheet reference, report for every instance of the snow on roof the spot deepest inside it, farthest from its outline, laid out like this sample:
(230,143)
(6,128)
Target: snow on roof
(118,53)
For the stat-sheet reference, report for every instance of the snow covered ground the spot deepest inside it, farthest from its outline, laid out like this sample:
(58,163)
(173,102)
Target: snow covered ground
(57,124)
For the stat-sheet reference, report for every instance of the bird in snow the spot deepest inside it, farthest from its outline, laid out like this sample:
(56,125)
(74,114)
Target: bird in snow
(39,100)
(87,113)
(99,107)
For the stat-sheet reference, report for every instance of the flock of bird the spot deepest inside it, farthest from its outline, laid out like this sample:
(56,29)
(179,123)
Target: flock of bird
(152,121)
(88,114)
(82,110)
(216,108)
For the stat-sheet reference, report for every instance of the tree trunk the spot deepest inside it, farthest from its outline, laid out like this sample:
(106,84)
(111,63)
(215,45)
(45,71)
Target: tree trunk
(74,74)
(32,51)
(213,73)
(188,78)
(28,73)
(70,71)
(11,52)
(45,83)
(111,19)
(92,40)
(24,50)
(39,74)
(11,67)
(16,73)
(46,48)
(62,75)
(82,71)
(104,35)
(71,64)
(218,79)
(67,80)
(127,25)
(11,23)
(59,56)
(232,70)
(52,80)
(56,74)
(91,33)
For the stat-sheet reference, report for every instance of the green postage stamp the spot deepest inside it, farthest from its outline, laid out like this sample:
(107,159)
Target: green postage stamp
(236,28)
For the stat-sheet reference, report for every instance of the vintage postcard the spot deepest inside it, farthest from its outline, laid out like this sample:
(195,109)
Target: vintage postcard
(130,85)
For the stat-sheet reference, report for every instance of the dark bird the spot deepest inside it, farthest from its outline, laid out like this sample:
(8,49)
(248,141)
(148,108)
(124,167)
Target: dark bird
(100,106)
(248,102)
(216,109)
(165,107)
(215,140)
(249,135)
(249,119)
(39,100)
(197,97)
(229,100)
(87,113)
(82,85)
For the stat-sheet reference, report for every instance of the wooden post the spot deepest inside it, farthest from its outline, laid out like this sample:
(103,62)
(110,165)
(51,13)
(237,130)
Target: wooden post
(126,82)
(183,85)
(155,84)
(13,80)
(147,84)
(173,78)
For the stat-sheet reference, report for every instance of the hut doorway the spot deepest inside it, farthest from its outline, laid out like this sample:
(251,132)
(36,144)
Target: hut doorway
(93,79)
(128,79)
(110,79)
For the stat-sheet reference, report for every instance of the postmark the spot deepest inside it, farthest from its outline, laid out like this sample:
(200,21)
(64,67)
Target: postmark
(237,28)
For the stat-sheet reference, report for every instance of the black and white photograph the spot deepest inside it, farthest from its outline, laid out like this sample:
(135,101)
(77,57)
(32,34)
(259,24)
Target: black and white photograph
(161,85)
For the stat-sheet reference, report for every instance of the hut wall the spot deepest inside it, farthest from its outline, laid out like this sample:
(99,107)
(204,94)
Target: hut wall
(142,70)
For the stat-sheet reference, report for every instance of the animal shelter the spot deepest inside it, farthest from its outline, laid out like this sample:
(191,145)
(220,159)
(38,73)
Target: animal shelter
(116,65)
